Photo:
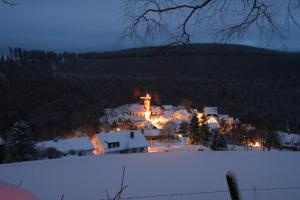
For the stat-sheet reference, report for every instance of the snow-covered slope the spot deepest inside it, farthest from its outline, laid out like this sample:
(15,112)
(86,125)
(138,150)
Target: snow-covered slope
(87,177)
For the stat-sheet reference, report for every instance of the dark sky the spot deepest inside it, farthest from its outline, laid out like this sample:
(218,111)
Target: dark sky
(87,25)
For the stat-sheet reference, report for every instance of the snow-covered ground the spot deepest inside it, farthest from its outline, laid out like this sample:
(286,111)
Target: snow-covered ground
(171,172)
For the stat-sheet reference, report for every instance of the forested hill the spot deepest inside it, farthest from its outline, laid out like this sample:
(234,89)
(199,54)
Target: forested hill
(59,93)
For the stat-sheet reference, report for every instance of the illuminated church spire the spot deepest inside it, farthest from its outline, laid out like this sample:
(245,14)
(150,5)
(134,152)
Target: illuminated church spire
(147,105)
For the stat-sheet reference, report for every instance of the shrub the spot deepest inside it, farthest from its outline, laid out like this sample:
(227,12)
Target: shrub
(72,152)
(52,153)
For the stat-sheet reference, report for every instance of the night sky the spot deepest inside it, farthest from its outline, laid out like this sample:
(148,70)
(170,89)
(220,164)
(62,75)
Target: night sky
(89,25)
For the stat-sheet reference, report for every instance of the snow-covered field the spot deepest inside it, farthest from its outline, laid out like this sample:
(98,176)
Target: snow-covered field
(86,178)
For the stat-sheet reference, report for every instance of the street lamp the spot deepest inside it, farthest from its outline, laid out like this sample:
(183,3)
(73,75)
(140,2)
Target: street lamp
(181,137)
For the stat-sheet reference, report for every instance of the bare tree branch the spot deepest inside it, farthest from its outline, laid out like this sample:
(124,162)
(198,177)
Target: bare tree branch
(153,19)
(122,188)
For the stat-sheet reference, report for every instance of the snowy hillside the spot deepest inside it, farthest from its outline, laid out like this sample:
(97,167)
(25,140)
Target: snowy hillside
(87,177)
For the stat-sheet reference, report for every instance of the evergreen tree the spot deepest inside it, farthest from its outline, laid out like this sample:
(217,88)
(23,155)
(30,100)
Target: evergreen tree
(20,145)
(194,131)
(271,140)
(204,130)
(218,142)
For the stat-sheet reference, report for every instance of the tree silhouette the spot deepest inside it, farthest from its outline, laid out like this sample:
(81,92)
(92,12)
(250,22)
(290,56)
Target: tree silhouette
(172,19)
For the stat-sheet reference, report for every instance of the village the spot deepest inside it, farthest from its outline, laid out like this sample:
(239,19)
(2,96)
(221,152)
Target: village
(143,127)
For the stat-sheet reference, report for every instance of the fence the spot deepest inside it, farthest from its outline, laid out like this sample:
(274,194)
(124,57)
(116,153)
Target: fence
(232,182)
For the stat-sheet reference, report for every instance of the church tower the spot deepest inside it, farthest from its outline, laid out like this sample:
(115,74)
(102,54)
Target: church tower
(147,102)
(147,105)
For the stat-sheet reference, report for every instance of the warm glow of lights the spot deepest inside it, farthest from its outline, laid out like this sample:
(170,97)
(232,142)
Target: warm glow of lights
(118,129)
(147,115)
(212,120)
(147,102)
(180,136)
(98,149)
(199,115)
(158,122)
(255,144)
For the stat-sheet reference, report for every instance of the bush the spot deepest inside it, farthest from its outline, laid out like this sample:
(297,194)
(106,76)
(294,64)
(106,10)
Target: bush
(82,153)
(72,152)
(52,153)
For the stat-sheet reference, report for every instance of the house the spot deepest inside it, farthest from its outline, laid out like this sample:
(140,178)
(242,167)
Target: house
(76,144)
(137,110)
(123,142)
(156,110)
(212,117)
(289,141)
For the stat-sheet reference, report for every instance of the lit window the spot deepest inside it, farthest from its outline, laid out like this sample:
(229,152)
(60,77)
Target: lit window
(212,120)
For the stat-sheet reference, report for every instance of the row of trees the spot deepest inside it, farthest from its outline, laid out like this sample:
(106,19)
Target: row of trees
(217,140)
(200,134)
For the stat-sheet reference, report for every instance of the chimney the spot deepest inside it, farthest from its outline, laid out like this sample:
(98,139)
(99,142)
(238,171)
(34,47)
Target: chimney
(131,134)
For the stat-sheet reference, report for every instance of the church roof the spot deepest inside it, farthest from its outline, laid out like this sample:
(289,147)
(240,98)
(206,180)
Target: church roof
(136,108)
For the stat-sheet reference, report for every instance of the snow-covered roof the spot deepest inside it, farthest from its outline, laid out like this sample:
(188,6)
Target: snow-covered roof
(156,108)
(65,145)
(168,107)
(168,113)
(137,118)
(223,117)
(289,140)
(136,108)
(211,110)
(124,139)
(151,132)
(182,115)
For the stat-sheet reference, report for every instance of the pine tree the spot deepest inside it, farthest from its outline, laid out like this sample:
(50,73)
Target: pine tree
(204,130)
(194,131)
(271,140)
(20,145)
(218,142)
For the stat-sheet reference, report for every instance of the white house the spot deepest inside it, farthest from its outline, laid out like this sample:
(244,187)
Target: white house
(65,145)
(137,110)
(212,116)
(123,142)
(289,141)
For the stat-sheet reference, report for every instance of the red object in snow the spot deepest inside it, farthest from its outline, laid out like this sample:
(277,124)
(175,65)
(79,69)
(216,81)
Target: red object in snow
(12,192)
